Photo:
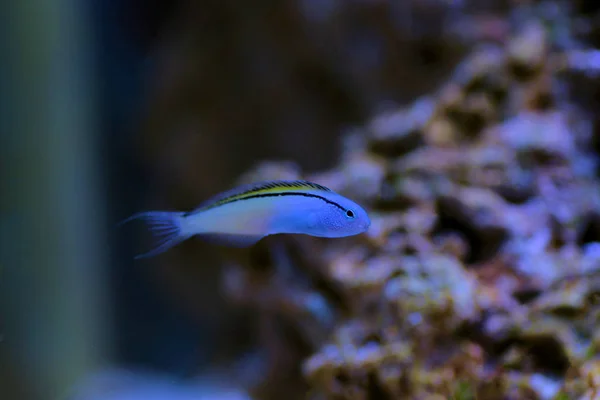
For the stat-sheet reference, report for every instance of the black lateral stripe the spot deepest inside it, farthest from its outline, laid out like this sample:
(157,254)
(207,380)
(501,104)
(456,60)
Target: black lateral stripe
(256,196)
(316,196)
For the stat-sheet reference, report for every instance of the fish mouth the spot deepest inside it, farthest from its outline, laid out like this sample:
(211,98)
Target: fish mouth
(365,226)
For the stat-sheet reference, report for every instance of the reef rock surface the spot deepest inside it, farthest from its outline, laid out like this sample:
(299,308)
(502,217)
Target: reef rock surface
(479,277)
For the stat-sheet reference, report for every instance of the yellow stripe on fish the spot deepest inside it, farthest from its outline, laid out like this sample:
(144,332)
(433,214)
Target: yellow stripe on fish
(256,189)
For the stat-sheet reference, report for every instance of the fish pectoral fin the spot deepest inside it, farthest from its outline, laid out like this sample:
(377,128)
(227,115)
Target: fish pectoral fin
(230,240)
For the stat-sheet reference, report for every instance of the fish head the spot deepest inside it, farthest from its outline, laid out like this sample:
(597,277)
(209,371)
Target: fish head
(344,218)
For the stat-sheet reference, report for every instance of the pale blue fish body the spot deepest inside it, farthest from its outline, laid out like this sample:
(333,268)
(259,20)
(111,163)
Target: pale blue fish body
(242,216)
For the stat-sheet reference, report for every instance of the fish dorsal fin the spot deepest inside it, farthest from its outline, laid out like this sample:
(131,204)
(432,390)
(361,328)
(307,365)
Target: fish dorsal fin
(257,188)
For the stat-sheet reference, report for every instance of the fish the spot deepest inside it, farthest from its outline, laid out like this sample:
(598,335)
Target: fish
(242,216)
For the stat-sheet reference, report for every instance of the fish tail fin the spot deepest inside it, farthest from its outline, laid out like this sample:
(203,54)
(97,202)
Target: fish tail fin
(166,226)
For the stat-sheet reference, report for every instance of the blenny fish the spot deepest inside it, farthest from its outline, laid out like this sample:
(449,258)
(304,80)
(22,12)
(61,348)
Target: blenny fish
(242,216)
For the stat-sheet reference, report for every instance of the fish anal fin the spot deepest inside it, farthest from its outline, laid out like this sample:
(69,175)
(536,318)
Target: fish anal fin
(230,240)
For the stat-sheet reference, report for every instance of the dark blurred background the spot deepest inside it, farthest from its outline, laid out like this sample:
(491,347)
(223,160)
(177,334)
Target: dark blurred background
(110,107)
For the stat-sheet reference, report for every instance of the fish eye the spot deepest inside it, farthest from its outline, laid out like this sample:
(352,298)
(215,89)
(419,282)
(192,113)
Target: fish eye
(349,214)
